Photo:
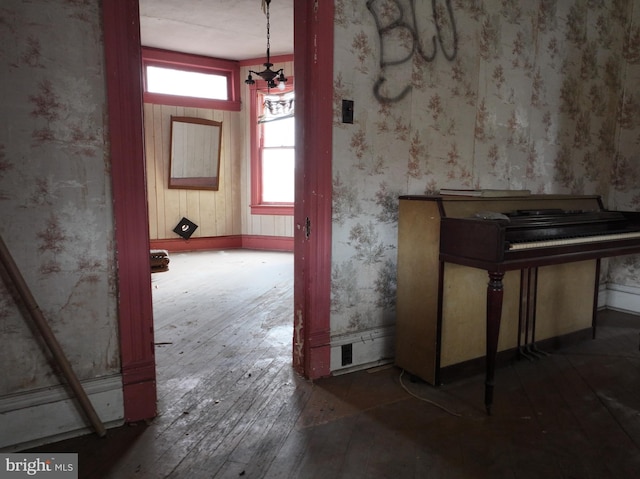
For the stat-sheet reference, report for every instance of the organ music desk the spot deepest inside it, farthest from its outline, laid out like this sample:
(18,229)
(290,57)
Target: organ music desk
(542,256)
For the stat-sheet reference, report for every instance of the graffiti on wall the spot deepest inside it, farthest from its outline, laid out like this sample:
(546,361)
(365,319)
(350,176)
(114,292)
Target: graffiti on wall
(408,21)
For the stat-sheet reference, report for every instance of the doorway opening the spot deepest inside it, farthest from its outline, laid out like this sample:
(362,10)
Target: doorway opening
(212,302)
(312,216)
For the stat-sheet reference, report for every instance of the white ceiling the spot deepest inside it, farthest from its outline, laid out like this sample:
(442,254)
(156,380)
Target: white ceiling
(228,29)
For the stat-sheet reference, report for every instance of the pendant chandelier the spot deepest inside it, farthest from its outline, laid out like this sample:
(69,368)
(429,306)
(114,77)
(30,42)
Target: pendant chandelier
(268,74)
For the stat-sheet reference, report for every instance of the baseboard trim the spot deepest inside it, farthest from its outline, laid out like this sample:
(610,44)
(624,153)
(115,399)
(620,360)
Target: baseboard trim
(369,348)
(258,242)
(47,415)
(623,298)
(175,245)
(268,243)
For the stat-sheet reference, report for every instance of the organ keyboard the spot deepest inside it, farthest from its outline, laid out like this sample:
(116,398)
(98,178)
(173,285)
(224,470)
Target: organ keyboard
(546,248)
(524,240)
(570,241)
(515,238)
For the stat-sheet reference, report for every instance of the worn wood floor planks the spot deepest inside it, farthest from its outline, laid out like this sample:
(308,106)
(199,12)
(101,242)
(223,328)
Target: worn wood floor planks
(230,405)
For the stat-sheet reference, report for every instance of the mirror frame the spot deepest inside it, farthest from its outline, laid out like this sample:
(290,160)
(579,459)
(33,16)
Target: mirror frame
(196,182)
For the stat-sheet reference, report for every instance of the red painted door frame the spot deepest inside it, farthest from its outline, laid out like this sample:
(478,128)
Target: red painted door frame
(313,38)
(123,63)
(313,67)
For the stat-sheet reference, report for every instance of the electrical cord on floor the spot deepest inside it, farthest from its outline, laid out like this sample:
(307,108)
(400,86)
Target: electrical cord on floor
(453,413)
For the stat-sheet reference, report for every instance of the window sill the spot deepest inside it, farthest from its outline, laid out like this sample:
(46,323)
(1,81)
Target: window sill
(282,210)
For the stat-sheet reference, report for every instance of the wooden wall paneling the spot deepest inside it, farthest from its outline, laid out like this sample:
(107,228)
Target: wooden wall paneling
(189,111)
(253,223)
(265,225)
(172,198)
(288,226)
(180,209)
(233,194)
(223,202)
(159,174)
(150,164)
(268,225)
(245,160)
(208,213)
(192,211)
(251,227)
(211,206)
(283,222)
(276,225)
(262,225)
(172,211)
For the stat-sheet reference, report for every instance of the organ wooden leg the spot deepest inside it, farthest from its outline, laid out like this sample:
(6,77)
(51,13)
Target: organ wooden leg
(527,347)
(523,317)
(494,315)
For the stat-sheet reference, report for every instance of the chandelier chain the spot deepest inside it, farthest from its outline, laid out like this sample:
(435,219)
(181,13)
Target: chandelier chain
(268,33)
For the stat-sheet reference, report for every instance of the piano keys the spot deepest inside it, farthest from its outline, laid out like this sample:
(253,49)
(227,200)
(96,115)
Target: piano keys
(540,254)
(559,236)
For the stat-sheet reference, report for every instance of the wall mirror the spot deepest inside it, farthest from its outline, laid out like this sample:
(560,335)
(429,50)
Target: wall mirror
(195,153)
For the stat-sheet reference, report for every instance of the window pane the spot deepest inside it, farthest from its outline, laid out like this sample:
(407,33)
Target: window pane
(278,175)
(279,133)
(185,83)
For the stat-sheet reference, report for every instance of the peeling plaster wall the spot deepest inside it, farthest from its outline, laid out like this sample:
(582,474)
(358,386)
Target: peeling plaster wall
(536,94)
(55,195)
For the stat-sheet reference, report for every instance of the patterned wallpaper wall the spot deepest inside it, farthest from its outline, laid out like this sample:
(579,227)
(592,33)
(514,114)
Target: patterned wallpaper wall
(538,94)
(535,94)
(55,198)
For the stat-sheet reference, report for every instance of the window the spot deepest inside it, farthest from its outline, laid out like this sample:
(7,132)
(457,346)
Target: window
(180,79)
(273,147)
(170,81)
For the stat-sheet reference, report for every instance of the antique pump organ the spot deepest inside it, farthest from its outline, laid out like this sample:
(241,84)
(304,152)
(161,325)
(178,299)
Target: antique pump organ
(482,274)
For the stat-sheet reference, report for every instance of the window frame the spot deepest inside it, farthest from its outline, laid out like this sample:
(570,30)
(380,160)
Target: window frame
(192,63)
(258,207)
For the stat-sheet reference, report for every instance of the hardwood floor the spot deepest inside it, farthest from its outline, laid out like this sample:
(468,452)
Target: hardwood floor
(230,404)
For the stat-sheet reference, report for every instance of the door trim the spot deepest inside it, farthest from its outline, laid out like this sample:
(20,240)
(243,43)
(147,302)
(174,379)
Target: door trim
(121,22)
(313,67)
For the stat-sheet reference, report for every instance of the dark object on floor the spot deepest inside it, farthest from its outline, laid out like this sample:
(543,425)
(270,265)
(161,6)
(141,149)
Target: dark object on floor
(159,260)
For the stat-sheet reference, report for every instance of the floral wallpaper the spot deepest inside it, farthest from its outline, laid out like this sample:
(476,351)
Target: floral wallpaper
(57,218)
(534,94)
(537,94)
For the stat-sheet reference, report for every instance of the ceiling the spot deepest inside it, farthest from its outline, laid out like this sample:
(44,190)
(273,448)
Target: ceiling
(228,29)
